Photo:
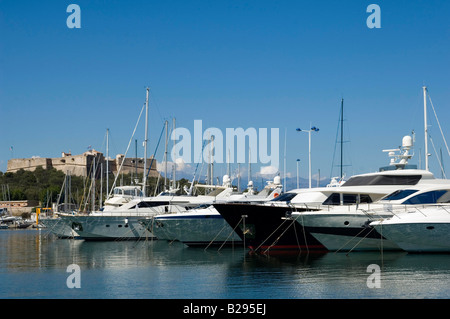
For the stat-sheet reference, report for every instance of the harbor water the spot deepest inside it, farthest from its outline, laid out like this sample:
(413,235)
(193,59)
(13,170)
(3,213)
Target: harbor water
(36,265)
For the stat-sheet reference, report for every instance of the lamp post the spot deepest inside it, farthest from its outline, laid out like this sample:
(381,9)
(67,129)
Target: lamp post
(313,129)
(298,162)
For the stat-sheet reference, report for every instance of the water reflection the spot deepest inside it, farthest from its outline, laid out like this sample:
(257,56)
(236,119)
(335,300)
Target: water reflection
(33,264)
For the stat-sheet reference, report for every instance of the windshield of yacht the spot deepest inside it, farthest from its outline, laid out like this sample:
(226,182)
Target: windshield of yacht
(133,192)
(286,197)
(127,191)
(432,197)
(400,194)
(144,204)
(383,180)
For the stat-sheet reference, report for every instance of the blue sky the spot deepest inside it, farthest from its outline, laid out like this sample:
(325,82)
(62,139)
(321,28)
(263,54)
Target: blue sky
(260,64)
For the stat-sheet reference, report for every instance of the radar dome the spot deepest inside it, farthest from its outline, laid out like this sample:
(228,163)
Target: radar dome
(277,180)
(407,141)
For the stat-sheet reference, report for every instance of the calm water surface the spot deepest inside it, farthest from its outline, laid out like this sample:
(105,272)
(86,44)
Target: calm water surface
(34,264)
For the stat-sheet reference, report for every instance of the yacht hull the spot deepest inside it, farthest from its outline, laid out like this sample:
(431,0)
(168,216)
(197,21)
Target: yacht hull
(422,231)
(345,232)
(263,227)
(418,238)
(109,227)
(59,227)
(196,229)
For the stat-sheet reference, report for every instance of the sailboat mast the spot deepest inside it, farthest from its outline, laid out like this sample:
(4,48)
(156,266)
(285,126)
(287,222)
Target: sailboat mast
(174,159)
(342,136)
(165,155)
(426,126)
(212,159)
(144,177)
(107,162)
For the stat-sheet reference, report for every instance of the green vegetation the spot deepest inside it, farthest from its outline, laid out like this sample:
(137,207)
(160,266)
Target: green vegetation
(42,184)
(46,185)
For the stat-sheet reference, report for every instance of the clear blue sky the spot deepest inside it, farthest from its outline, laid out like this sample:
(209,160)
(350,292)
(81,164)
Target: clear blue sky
(261,64)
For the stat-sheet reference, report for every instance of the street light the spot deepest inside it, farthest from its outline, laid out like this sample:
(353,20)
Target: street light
(313,129)
(298,162)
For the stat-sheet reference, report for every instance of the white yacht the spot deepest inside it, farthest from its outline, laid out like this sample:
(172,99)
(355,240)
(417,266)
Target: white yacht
(342,224)
(62,227)
(338,213)
(122,223)
(419,229)
(346,227)
(204,226)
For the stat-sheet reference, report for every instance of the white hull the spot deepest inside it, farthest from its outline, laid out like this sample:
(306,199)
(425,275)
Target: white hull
(109,227)
(341,231)
(352,243)
(59,227)
(426,230)
(423,237)
(197,228)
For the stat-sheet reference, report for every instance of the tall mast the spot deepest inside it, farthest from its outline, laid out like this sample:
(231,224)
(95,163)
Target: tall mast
(136,178)
(249,165)
(165,156)
(342,135)
(426,126)
(284,165)
(212,159)
(107,162)
(174,159)
(93,184)
(239,177)
(144,177)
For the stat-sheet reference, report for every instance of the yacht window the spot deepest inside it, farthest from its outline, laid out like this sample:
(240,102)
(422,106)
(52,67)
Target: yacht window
(348,199)
(153,204)
(426,198)
(150,204)
(400,194)
(383,180)
(286,197)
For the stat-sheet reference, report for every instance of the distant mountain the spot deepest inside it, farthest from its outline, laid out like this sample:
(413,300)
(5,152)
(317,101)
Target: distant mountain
(259,182)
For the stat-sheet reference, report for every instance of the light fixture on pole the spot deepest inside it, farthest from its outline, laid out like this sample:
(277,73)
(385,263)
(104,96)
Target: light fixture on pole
(298,162)
(313,129)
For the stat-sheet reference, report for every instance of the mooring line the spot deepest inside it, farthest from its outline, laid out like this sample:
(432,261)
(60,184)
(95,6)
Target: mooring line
(360,241)
(210,243)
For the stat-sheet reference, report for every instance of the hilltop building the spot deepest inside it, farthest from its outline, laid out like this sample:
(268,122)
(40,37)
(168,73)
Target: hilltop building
(83,164)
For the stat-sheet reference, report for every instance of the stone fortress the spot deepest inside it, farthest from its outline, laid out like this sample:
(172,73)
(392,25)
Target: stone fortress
(82,165)
(76,165)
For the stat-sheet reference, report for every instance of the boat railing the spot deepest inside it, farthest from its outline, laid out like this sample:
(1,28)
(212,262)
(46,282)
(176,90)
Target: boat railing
(144,211)
(403,208)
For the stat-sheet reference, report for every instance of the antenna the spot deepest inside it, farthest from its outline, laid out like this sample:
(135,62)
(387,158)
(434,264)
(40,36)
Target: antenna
(404,155)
